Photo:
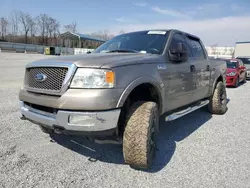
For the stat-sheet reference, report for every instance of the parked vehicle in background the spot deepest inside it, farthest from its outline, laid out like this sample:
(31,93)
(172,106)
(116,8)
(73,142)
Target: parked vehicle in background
(122,88)
(246,62)
(236,72)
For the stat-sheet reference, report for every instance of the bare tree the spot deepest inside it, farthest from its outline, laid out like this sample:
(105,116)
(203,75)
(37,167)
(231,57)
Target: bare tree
(3,27)
(103,34)
(42,22)
(213,48)
(225,50)
(26,21)
(14,21)
(33,29)
(53,28)
(71,27)
(122,32)
(231,52)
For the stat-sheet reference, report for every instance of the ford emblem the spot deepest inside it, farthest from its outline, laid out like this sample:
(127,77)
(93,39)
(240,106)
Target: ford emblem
(40,77)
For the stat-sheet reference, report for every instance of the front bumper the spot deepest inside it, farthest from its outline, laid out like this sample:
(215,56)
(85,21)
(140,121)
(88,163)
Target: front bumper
(88,123)
(231,80)
(248,74)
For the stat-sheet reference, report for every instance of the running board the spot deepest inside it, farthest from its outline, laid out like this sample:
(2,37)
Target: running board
(188,110)
(118,142)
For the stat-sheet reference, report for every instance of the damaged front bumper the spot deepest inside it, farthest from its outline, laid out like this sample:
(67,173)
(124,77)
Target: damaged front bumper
(99,123)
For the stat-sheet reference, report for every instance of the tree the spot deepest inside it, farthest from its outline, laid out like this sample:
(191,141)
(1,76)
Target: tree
(42,23)
(103,34)
(3,27)
(53,28)
(225,50)
(231,51)
(122,32)
(33,29)
(71,27)
(214,49)
(26,21)
(14,21)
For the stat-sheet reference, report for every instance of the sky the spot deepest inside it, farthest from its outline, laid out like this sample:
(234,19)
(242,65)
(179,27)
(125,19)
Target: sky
(221,22)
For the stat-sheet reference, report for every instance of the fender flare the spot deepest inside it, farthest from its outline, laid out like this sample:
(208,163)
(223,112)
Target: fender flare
(215,82)
(143,80)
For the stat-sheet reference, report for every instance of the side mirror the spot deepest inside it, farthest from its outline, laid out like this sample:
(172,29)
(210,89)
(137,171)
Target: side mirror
(88,52)
(242,67)
(179,53)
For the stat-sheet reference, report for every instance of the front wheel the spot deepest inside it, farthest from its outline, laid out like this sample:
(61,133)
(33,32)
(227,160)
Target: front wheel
(218,101)
(245,78)
(237,82)
(139,139)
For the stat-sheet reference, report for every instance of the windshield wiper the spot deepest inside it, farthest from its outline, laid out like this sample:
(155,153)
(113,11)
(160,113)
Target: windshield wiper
(122,50)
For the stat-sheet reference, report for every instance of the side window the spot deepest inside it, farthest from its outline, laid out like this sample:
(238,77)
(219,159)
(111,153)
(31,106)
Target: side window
(179,38)
(196,47)
(241,63)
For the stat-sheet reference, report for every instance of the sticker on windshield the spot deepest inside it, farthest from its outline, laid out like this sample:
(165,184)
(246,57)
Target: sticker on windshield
(156,32)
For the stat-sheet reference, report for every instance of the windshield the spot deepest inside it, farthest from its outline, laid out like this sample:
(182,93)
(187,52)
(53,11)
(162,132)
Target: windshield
(143,42)
(244,60)
(231,64)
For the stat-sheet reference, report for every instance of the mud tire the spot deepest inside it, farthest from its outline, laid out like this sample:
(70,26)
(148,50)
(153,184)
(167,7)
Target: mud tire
(218,101)
(139,139)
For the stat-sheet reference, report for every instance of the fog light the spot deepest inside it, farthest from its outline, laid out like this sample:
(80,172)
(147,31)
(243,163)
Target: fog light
(82,120)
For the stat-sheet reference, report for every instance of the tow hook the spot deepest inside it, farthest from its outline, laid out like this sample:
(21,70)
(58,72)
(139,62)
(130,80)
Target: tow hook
(23,117)
(58,130)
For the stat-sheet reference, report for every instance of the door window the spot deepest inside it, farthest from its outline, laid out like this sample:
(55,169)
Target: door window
(196,47)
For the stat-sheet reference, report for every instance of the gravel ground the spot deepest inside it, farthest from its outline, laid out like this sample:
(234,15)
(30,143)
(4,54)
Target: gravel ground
(195,151)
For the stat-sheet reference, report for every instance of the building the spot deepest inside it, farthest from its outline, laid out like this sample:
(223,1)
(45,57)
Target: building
(220,51)
(242,49)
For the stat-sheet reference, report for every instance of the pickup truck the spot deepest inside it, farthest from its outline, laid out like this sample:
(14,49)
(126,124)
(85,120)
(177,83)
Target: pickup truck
(118,92)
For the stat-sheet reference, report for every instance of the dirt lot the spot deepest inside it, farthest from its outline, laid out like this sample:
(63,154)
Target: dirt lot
(195,151)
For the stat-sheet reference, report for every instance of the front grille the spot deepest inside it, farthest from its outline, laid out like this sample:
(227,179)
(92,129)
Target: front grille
(53,82)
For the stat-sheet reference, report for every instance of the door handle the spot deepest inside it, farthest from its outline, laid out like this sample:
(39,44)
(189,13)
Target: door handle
(208,67)
(192,68)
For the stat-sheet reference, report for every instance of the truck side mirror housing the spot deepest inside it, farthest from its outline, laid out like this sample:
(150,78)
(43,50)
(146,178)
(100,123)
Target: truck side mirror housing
(178,54)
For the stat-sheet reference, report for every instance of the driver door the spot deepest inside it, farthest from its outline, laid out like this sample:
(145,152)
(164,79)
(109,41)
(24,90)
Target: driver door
(179,80)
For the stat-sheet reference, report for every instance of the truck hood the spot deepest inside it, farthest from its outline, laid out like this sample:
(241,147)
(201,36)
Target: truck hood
(106,60)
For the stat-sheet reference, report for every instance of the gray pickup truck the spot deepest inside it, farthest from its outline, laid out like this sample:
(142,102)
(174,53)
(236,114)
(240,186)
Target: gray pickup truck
(121,89)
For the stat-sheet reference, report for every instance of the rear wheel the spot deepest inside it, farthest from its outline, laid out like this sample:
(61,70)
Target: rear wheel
(139,139)
(218,101)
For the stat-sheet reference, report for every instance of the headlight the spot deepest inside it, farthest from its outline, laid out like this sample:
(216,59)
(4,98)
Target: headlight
(231,74)
(93,78)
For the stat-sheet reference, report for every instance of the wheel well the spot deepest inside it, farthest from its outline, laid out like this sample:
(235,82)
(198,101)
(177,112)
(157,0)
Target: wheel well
(220,79)
(143,92)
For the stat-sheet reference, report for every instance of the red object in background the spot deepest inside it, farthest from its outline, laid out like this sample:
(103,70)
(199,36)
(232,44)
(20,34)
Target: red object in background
(236,72)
